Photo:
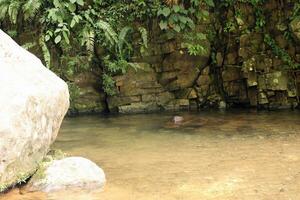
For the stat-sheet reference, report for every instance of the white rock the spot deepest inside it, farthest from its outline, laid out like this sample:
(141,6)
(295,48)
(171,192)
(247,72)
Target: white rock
(33,102)
(68,173)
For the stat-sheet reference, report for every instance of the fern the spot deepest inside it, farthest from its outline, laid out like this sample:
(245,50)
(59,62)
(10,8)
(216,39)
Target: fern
(31,7)
(137,66)
(90,44)
(144,35)
(13,10)
(45,50)
(109,32)
(122,40)
(28,45)
(4,5)
(87,37)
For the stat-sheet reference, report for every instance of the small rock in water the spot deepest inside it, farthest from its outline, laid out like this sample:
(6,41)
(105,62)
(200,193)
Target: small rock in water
(68,173)
(222,105)
(177,119)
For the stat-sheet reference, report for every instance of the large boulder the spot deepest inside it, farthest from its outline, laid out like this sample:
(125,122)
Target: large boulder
(33,102)
(68,173)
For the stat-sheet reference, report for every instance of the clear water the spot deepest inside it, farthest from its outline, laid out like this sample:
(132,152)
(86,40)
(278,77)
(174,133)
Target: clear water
(212,155)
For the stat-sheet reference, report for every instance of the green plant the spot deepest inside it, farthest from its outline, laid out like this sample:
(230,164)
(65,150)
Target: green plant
(296,11)
(13,8)
(259,17)
(3,188)
(175,18)
(108,84)
(194,43)
(281,53)
(180,17)
(230,26)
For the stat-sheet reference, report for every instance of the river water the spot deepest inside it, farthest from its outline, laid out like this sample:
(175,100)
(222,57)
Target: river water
(232,155)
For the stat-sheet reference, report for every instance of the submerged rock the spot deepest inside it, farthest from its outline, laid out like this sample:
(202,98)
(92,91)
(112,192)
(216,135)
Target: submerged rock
(177,119)
(68,173)
(33,103)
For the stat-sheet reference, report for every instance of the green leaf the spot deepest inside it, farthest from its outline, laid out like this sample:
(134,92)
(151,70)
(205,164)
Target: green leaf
(183,19)
(30,8)
(144,35)
(65,35)
(210,3)
(174,18)
(3,10)
(56,3)
(57,39)
(45,51)
(73,22)
(177,28)
(71,7)
(190,23)
(176,8)
(165,12)
(163,25)
(13,11)
(205,13)
(47,38)
(28,45)
(80,2)
(122,39)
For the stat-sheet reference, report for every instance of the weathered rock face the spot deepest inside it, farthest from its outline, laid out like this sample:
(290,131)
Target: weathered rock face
(180,70)
(139,91)
(33,102)
(86,94)
(68,173)
(167,81)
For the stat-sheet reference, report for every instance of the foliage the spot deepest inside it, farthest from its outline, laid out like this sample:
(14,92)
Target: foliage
(281,53)
(175,18)
(13,8)
(108,84)
(180,17)
(78,28)
(260,23)
(194,43)
(74,91)
(296,11)
(71,23)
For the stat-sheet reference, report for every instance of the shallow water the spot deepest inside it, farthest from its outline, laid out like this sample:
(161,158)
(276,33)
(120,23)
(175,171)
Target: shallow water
(212,155)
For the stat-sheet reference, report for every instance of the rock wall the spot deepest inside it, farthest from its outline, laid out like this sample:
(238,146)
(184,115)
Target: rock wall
(239,68)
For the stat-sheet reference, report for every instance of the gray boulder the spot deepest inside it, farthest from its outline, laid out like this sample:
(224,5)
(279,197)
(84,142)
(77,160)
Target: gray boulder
(33,103)
(68,173)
